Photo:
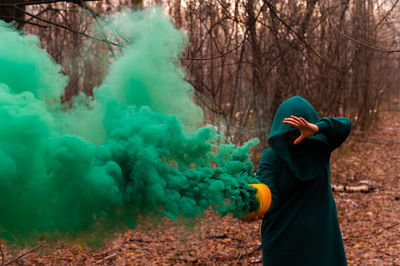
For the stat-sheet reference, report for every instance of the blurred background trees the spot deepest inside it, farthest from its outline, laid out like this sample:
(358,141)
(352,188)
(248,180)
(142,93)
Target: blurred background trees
(245,56)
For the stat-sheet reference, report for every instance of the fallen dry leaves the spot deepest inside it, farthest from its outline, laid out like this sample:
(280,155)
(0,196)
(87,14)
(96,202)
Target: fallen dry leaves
(370,222)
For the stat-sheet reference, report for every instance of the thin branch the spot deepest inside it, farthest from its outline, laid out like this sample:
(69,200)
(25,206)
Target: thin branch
(68,29)
(40,13)
(273,11)
(2,255)
(387,14)
(24,254)
(95,15)
(246,35)
(248,254)
(221,55)
(30,3)
(243,249)
(377,49)
(391,226)
(106,258)
(25,21)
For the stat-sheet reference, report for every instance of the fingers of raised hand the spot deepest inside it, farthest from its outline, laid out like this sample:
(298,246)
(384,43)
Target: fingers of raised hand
(303,121)
(300,120)
(290,123)
(293,121)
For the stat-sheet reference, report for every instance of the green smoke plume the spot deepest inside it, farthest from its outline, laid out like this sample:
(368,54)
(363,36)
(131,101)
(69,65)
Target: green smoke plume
(135,149)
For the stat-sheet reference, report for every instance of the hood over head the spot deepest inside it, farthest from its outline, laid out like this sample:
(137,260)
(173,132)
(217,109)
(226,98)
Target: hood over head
(307,159)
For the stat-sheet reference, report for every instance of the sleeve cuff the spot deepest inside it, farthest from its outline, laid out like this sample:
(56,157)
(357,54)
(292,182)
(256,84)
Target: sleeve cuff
(323,126)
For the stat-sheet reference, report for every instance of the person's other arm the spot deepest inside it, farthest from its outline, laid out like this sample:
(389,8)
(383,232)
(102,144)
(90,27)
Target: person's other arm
(336,129)
(266,173)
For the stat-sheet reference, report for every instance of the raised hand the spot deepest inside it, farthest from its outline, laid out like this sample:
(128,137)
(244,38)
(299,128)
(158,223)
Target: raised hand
(307,129)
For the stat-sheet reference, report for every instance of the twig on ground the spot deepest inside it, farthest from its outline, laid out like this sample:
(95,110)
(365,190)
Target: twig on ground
(391,226)
(362,188)
(248,254)
(138,240)
(186,260)
(2,255)
(224,236)
(106,258)
(24,254)
(217,236)
(244,247)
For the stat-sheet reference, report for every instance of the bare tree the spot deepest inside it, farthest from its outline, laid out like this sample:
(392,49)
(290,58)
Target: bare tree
(245,56)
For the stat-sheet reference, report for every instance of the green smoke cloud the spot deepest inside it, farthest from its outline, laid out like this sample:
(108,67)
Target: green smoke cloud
(135,149)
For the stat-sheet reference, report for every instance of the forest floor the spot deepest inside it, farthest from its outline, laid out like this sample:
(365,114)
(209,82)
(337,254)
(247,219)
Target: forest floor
(370,222)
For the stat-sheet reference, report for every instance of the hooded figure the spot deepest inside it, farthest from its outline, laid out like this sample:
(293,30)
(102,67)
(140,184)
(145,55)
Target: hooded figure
(301,226)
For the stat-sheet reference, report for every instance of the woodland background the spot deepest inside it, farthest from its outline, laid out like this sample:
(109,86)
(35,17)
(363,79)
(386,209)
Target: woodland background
(245,57)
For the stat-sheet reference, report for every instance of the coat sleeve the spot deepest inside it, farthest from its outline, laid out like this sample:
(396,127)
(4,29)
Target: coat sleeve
(266,173)
(336,129)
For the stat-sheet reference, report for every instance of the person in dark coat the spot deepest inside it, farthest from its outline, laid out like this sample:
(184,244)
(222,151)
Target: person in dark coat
(301,226)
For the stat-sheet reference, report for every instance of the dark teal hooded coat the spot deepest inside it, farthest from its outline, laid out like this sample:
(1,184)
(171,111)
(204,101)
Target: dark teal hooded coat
(301,226)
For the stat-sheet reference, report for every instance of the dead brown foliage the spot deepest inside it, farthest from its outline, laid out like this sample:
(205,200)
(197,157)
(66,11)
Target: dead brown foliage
(369,221)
